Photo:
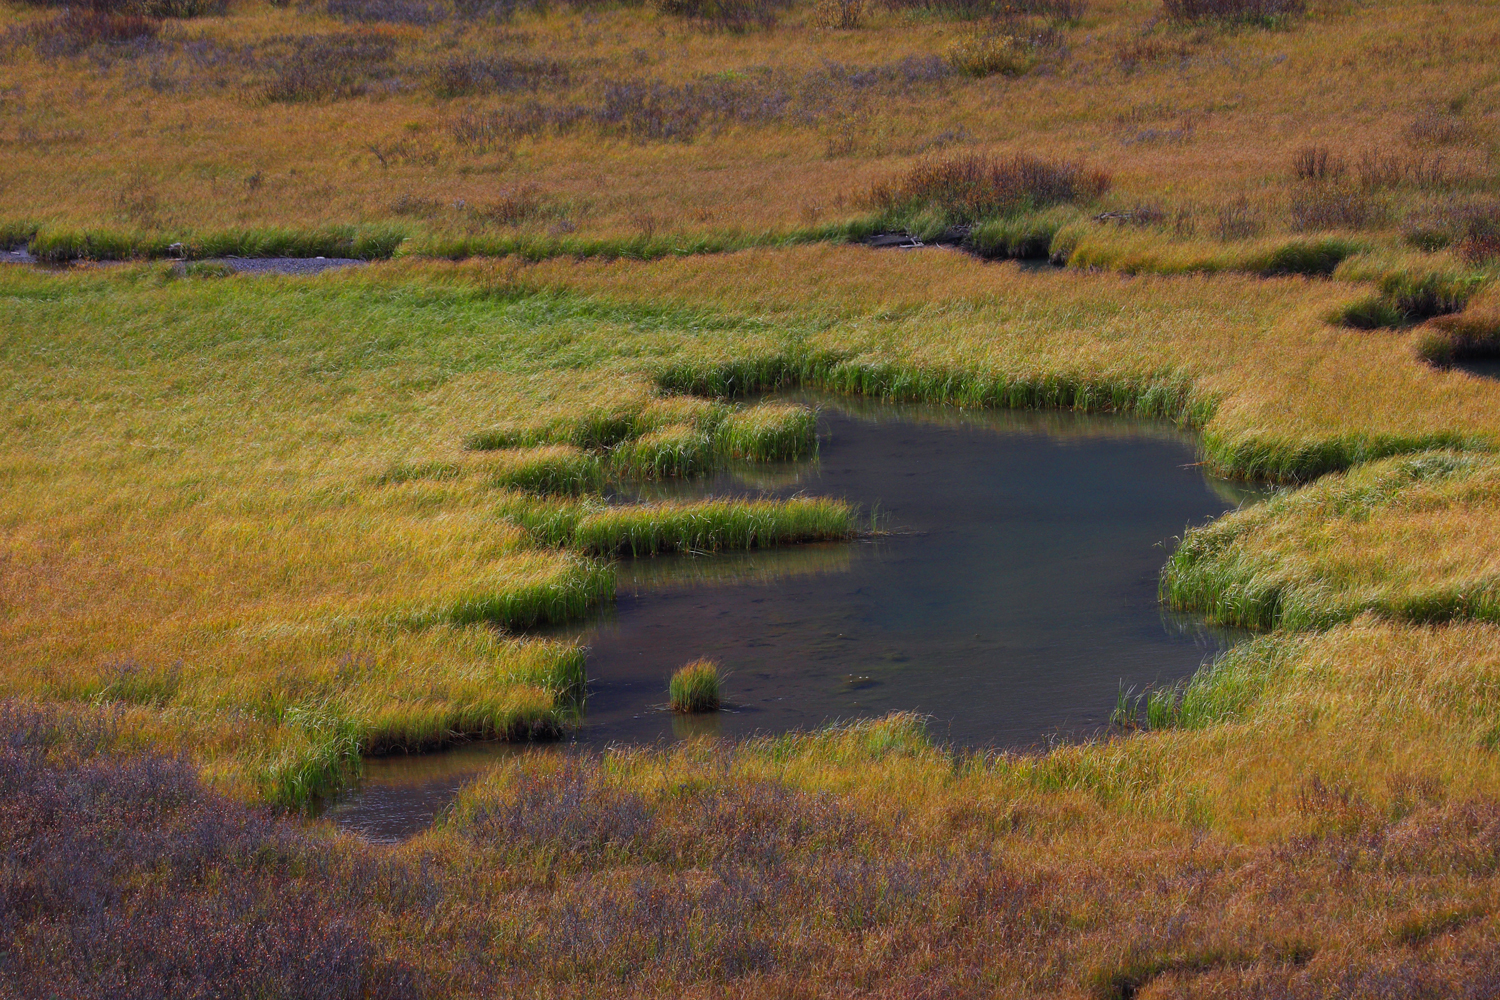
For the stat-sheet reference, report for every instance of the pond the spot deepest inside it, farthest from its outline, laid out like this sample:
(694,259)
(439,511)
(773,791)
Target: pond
(1010,594)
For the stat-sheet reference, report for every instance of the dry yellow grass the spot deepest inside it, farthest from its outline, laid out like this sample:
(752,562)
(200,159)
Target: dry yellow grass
(181,138)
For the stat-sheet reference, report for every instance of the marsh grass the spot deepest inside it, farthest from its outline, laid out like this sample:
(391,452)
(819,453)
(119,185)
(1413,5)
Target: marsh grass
(710,526)
(674,450)
(695,687)
(768,433)
(1472,333)
(59,246)
(1401,538)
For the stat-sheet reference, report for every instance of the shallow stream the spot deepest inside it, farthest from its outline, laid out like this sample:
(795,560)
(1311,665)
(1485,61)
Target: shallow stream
(1011,596)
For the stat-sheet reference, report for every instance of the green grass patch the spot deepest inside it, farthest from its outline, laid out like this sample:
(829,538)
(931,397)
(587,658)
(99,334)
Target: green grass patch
(769,432)
(675,450)
(60,246)
(695,687)
(548,469)
(710,526)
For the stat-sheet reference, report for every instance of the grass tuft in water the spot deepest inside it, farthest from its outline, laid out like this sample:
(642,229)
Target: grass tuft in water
(771,432)
(710,526)
(695,687)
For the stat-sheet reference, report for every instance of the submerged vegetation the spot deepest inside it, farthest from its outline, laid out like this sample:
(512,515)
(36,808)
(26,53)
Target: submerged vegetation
(253,530)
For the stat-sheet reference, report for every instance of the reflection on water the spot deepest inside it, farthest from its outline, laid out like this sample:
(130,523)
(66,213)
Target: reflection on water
(1011,594)
(399,795)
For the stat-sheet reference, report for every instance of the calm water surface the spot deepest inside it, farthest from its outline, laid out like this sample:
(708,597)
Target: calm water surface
(1012,594)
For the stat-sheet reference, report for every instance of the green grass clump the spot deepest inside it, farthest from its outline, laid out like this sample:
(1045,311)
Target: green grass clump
(60,246)
(638,247)
(16,233)
(547,469)
(1411,288)
(769,432)
(1024,236)
(695,687)
(1151,251)
(674,450)
(711,525)
(568,595)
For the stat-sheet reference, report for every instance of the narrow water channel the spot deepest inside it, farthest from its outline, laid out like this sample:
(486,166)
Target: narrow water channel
(1012,594)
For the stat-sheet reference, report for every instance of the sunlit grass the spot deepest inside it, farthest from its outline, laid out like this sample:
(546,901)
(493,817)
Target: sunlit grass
(695,687)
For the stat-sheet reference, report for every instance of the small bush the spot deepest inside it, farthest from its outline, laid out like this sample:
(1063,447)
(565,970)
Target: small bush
(1320,207)
(986,53)
(695,687)
(527,203)
(1132,55)
(841,15)
(1438,127)
(328,67)
(388,11)
(736,16)
(1452,224)
(75,31)
(1070,11)
(1318,163)
(1267,12)
(1376,171)
(1238,220)
(139,8)
(463,76)
(971,188)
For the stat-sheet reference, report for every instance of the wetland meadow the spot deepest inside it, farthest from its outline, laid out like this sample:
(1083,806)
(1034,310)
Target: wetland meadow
(750,498)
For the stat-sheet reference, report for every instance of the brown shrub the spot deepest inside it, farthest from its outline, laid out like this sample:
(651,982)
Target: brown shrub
(1138,52)
(968,188)
(139,8)
(1238,220)
(463,76)
(1328,207)
(327,67)
(842,15)
(1318,163)
(122,876)
(1376,170)
(1232,11)
(1060,10)
(525,204)
(735,16)
(76,30)
(1435,127)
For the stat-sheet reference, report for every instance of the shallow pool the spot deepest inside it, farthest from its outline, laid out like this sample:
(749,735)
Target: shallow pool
(1009,596)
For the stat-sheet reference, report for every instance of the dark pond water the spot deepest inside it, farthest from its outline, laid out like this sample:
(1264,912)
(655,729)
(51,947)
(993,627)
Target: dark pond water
(1482,367)
(1012,595)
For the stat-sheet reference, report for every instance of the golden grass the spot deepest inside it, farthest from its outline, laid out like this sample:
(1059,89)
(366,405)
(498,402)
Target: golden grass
(199,467)
(164,142)
(1411,539)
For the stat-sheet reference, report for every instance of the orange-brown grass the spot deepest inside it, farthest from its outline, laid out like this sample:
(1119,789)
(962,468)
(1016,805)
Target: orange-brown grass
(187,134)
